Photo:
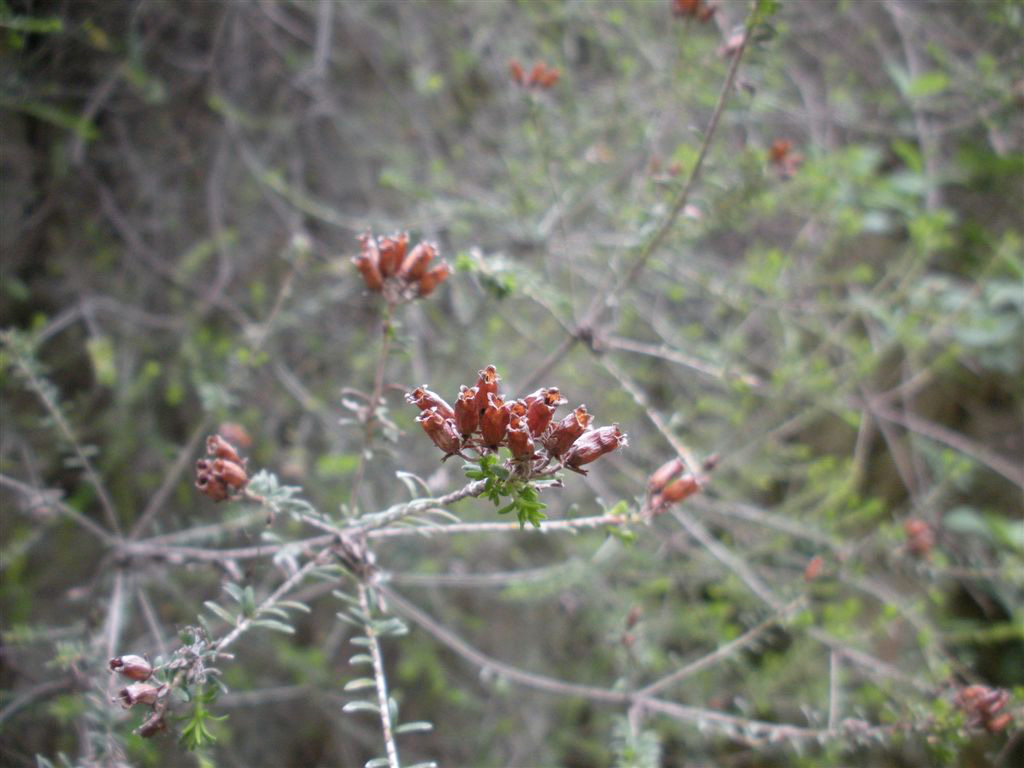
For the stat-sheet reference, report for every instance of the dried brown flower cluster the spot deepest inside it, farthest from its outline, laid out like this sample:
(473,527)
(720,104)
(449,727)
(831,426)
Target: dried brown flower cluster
(982,706)
(539,76)
(668,485)
(784,160)
(483,420)
(694,9)
(140,692)
(388,269)
(222,475)
(920,538)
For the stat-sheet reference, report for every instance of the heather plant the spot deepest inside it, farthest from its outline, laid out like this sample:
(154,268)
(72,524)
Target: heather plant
(259,510)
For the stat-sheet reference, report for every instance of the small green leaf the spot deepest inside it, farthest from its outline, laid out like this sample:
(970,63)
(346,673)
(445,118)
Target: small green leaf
(359,684)
(413,727)
(275,625)
(360,706)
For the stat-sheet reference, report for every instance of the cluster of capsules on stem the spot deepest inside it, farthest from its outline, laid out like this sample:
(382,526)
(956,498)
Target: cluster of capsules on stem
(389,268)
(483,421)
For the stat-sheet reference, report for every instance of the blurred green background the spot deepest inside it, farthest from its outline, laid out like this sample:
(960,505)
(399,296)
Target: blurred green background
(182,187)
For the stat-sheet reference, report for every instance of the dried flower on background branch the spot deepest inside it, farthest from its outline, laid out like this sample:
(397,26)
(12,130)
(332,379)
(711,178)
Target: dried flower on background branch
(920,538)
(539,76)
(783,159)
(693,9)
(389,268)
(222,475)
(983,707)
(669,485)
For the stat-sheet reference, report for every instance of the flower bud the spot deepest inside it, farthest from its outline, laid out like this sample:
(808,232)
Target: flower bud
(139,693)
(221,448)
(415,264)
(132,667)
(486,384)
(441,430)
(519,440)
(424,399)
(595,444)
(434,278)
(229,473)
(664,473)
(567,430)
(467,415)
(494,421)
(392,252)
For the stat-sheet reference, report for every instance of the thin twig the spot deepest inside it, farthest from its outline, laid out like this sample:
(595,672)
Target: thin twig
(379,678)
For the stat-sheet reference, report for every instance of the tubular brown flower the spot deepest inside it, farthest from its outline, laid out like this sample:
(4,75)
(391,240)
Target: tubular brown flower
(519,440)
(139,693)
(664,473)
(680,489)
(222,449)
(132,667)
(434,278)
(486,384)
(494,421)
(392,252)
(229,473)
(467,415)
(595,444)
(368,263)
(441,430)
(567,431)
(415,264)
(424,399)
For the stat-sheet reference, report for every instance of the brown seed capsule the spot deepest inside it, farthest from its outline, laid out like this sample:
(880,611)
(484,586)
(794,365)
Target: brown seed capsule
(567,431)
(813,569)
(434,278)
(595,444)
(424,399)
(221,448)
(519,440)
(229,473)
(415,264)
(680,489)
(441,430)
(139,693)
(467,415)
(494,421)
(664,473)
(132,667)
(486,384)
(392,252)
